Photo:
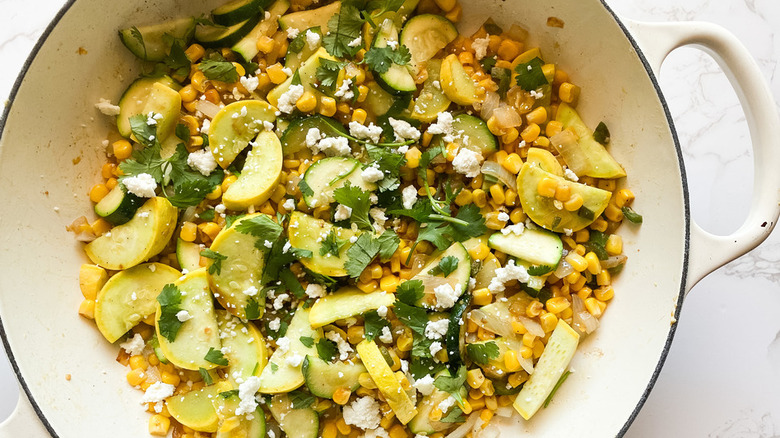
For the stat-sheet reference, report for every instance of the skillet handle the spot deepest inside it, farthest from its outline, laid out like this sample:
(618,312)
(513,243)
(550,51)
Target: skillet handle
(23,422)
(708,251)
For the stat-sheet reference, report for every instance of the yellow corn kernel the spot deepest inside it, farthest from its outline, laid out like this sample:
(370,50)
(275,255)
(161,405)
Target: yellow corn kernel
(557,304)
(446,5)
(582,235)
(435,414)
(479,252)
(534,309)
(607,184)
(511,362)
(528,339)
(483,297)
(568,92)
(519,328)
(239,68)
(343,427)
(212,95)
(604,278)
(343,108)
(465,58)
(366,381)
(512,163)
(170,378)
(413,157)
(138,362)
(188,93)
(594,265)
(398,431)
(198,80)
(451,150)
(307,102)
(210,229)
(341,395)
(100,226)
(486,415)
(599,225)
(492,221)
(159,425)
(359,115)
(517,215)
(517,379)
(464,197)
(479,198)
(122,149)
(87,309)
(188,231)
(327,106)
(376,272)
(584,293)
(577,261)
(511,133)
(136,377)
(276,73)
(389,283)
(547,187)
(497,193)
(548,322)
(265,44)
(553,127)
(368,287)
(404,342)
(539,345)
(613,213)
(604,293)
(477,182)
(493,126)
(538,116)
(226,183)
(592,306)
(485,335)
(475,378)
(491,403)
(362,93)
(475,394)
(614,244)
(526,352)
(531,133)
(563,192)
(454,15)
(623,198)
(477,403)
(542,142)
(508,50)
(195,52)
(329,430)
(579,284)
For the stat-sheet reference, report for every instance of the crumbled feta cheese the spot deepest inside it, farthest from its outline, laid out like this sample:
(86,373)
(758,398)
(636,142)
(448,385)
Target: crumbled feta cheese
(331,146)
(386,336)
(289,204)
(246,394)
(370,132)
(372,174)
(106,107)
(503,216)
(268,244)
(314,290)
(294,360)
(134,346)
(345,90)
(436,329)
(312,39)
(313,136)
(435,348)
(275,324)
(379,217)
(409,196)
(480,46)
(382,311)
(437,85)
(203,161)
(403,149)
(468,162)
(205,125)
(157,392)
(286,247)
(288,71)
(392,44)
(283,345)
(152,118)
(142,185)
(356,42)
(279,301)
(404,130)
(424,385)
(373,198)
(292,33)
(446,295)
(353,239)
(443,126)
(446,404)
(269,126)
(506,274)
(343,346)
(287,100)
(570,175)
(251,291)
(342,213)
(220,208)
(376,433)
(363,413)
(183,315)
(536,94)
(516,229)
(250,83)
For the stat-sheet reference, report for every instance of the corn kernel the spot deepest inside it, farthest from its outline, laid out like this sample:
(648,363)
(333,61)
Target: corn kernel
(479,252)
(159,425)
(366,381)
(497,193)
(534,309)
(307,102)
(563,192)
(485,335)
(517,215)
(404,342)
(276,73)
(577,261)
(136,377)
(341,395)
(327,106)
(122,149)
(607,184)
(138,362)
(329,430)
(265,44)
(486,415)
(538,116)
(454,15)
(547,187)
(465,58)
(594,265)
(343,427)
(188,231)
(548,322)
(494,127)
(623,198)
(483,297)
(613,213)
(539,346)
(194,52)
(464,197)
(526,352)
(557,304)
(519,328)
(531,133)
(389,283)
(475,378)
(451,150)
(413,157)
(492,221)
(511,133)
(359,116)
(512,163)
(511,362)
(599,225)
(592,306)
(568,92)
(91,280)
(604,293)
(614,244)
(517,379)
(479,198)
(508,50)
(398,431)
(553,128)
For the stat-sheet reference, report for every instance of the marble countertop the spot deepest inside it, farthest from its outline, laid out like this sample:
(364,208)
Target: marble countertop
(722,376)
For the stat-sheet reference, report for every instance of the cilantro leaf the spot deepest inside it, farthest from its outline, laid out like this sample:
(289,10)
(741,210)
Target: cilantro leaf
(263,228)
(454,416)
(177,60)
(446,266)
(190,192)
(216,357)
(360,254)
(380,59)
(138,36)
(301,400)
(435,233)
(345,27)
(328,73)
(252,309)
(452,385)
(290,281)
(413,317)
(631,215)
(331,244)
(483,353)
(540,270)
(229,219)
(389,163)
(182,132)
(219,70)
(476,223)
(358,200)
(145,134)
(228,394)
(299,42)
(204,374)
(216,265)
(169,299)
(410,292)
(388,244)
(381,6)
(274,367)
(373,324)
(306,190)
(208,215)
(307,341)
(530,75)
(422,366)
(597,242)
(601,133)
(488,62)
(503,77)
(326,349)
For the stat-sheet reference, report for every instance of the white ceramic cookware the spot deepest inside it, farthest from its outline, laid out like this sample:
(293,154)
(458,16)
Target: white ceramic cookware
(50,153)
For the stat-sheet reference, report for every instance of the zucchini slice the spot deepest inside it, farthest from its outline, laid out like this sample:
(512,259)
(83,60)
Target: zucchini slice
(378,102)
(308,74)
(129,297)
(328,174)
(425,35)
(595,159)
(283,375)
(296,423)
(188,255)
(294,137)
(303,20)
(136,241)
(244,347)
(237,426)
(293,59)
(166,102)
(431,100)
(260,175)
(398,79)
(303,232)
(456,83)
(385,380)
(346,302)
(545,160)
(535,246)
(473,133)
(235,126)
(200,332)
(247,46)
(236,11)
(153,45)
(195,409)
(214,36)
(323,378)
(134,99)
(118,206)
(458,278)
(421,423)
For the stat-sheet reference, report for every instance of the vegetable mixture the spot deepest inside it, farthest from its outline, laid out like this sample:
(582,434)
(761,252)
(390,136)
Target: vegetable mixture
(348,219)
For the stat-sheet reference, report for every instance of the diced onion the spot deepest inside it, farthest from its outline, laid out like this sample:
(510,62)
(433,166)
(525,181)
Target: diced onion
(532,326)
(465,428)
(505,411)
(613,261)
(207,108)
(489,432)
(83,233)
(506,117)
(527,364)
(491,102)
(418,261)
(564,269)
(188,215)
(497,171)
(565,142)
(582,320)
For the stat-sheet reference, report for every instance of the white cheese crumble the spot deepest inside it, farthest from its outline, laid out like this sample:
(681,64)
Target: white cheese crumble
(443,126)
(292,33)
(279,301)
(314,290)
(447,403)
(376,433)
(436,329)
(342,213)
(289,204)
(424,385)
(404,130)
(392,44)
(503,216)
(480,46)
(134,346)
(294,360)
(382,311)
(246,394)
(468,162)
(379,217)
(570,175)
(106,107)
(249,82)
(157,392)
(386,336)
(435,348)
(370,132)
(251,291)
(446,295)
(356,42)
(287,100)
(506,274)
(183,315)
(318,142)
(275,324)
(536,94)
(152,118)
(363,413)
(515,229)
(283,345)
(205,125)
(142,185)
(345,90)
(203,161)
(343,346)
(372,174)
(312,39)
(409,196)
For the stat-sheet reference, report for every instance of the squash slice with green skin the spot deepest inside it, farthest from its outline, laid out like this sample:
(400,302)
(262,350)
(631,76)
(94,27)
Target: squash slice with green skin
(259,176)
(385,380)
(279,375)
(432,99)
(303,20)
(598,163)
(303,232)
(129,297)
(308,74)
(198,334)
(324,378)
(458,277)
(166,102)
(135,99)
(297,423)
(188,255)
(238,281)
(235,126)
(456,83)
(245,347)
(249,425)
(136,241)
(346,302)
(195,409)
(542,210)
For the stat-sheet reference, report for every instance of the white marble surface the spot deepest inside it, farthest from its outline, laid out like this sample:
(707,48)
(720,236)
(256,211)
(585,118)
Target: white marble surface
(722,376)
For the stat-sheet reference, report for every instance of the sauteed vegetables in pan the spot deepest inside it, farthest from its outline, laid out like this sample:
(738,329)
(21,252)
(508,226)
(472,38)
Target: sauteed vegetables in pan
(348,219)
